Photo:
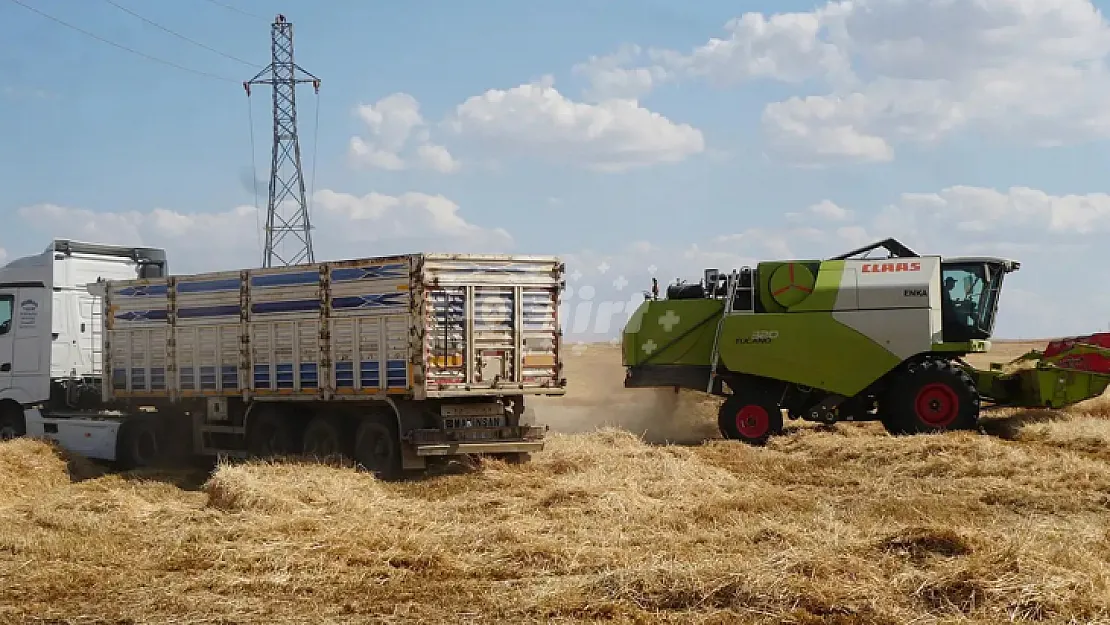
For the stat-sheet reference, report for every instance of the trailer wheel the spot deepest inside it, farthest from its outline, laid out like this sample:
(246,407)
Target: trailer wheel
(137,444)
(12,422)
(933,396)
(270,434)
(326,437)
(378,449)
(747,419)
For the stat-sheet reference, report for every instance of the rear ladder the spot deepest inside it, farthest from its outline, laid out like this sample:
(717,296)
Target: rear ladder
(735,285)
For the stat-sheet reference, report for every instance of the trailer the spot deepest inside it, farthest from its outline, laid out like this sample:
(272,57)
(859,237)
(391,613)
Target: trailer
(388,360)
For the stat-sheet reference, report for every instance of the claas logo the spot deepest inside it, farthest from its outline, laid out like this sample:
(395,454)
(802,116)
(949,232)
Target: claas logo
(891,267)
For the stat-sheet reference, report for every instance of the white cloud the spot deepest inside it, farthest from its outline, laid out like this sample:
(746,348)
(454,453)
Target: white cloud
(393,122)
(825,210)
(609,76)
(612,135)
(412,216)
(437,157)
(900,71)
(978,212)
(344,226)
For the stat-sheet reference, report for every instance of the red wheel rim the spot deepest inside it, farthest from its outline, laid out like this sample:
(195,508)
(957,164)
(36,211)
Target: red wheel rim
(937,405)
(752,421)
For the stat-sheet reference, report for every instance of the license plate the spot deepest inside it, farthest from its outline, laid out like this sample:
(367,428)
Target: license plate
(454,423)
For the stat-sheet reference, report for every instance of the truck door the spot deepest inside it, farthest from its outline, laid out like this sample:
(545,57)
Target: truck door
(7,337)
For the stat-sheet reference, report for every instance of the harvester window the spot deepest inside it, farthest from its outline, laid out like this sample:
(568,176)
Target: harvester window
(967,302)
(7,303)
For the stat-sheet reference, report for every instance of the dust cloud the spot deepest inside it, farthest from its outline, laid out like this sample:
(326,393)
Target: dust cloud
(596,398)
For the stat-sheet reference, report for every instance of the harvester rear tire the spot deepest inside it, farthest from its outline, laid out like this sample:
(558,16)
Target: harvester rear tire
(931,396)
(752,420)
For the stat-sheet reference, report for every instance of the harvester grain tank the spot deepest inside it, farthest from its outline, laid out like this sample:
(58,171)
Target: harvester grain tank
(848,338)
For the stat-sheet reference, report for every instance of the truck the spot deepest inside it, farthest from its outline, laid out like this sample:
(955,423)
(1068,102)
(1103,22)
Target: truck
(854,337)
(389,361)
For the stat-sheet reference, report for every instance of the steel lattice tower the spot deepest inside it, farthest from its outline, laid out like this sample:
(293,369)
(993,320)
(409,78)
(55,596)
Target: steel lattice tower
(287,210)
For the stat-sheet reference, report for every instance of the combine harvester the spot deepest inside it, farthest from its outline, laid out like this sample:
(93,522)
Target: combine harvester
(386,360)
(850,339)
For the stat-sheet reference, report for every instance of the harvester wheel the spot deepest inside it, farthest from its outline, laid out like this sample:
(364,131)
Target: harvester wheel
(932,396)
(748,419)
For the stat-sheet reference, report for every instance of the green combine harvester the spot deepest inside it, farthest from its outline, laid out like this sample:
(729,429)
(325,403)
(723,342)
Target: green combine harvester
(850,338)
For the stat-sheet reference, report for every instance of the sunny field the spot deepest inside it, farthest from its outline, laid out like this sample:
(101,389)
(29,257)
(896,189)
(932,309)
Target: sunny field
(825,525)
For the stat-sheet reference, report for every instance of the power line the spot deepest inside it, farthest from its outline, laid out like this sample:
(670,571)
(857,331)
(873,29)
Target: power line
(239,11)
(121,46)
(180,36)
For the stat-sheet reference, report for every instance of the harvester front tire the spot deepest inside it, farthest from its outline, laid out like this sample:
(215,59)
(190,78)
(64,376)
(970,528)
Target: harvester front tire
(931,396)
(751,420)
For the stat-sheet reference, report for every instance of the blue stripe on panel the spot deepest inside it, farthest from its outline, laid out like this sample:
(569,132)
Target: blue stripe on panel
(208,378)
(152,290)
(377,300)
(142,315)
(396,374)
(287,279)
(286,306)
(208,286)
(138,379)
(229,376)
(157,378)
(309,376)
(368,374)
(285,375)
(188,379)
(208,311)
(345,374)
(348,274)
(262,376)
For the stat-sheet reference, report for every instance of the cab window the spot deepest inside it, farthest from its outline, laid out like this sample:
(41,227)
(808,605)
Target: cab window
(7,303)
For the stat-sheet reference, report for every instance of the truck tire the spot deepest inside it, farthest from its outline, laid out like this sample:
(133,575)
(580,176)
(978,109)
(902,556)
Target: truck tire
(752,420)
(326,437)
(137,444)
(12,422)
(931,396)
(378,449)
(270,434)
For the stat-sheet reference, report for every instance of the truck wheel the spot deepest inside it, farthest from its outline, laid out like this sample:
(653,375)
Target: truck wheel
(270,434)
(326,437)
(137,444)
(933,396)
(752,421)
(378,449)
(12,422)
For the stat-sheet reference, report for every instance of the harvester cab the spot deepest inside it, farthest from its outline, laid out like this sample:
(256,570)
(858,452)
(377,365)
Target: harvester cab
(851,337)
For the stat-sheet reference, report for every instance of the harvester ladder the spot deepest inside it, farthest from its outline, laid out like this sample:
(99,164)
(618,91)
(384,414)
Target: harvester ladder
(730,298)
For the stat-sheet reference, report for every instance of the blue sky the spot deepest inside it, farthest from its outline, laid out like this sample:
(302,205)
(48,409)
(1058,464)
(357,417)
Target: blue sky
(805,129)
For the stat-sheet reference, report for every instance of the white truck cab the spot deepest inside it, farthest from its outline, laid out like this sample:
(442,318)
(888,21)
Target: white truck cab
(50,326)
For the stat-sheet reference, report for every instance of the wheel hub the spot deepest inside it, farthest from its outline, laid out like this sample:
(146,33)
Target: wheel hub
(752,421)
(937,405)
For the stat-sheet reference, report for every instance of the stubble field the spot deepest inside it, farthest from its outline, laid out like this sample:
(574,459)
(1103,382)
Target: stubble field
(651,519)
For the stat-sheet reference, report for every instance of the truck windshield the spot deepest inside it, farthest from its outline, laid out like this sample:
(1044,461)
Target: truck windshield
(969,298)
